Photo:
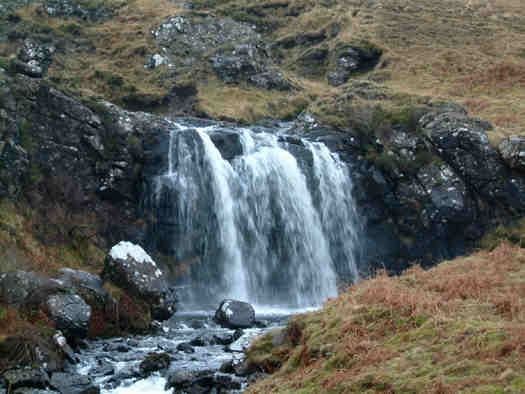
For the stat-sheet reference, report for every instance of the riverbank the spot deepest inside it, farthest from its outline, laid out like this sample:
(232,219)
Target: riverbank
(458,327)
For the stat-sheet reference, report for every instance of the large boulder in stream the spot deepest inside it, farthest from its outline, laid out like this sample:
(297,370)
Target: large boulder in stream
(235,314)
(129,267)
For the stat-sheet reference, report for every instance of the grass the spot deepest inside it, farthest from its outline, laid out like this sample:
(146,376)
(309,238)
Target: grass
(468,51)
(459,327)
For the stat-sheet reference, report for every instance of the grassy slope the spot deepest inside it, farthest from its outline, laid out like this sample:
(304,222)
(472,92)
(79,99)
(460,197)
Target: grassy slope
(459,327)
(469,51)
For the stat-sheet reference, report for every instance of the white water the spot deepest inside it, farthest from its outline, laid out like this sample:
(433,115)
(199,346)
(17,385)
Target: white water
(269,231)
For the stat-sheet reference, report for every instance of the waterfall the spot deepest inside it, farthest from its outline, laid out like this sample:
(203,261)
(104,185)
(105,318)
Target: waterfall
(259,219)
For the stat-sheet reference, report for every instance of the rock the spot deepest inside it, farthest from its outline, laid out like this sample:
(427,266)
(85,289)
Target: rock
(68,383)
(201,382)
(26,377)
(86,11)
(271,80)
(30,69)
(512,150)
(235,314)
(71,314)
(21,287)
(352,58)
(38,56)
(464,145)
(88,286)
(157,60)
(233,69)
(130,267)
(313,62)
(154,362)
(26,390)
(61,342)
(185,347)
(228,143)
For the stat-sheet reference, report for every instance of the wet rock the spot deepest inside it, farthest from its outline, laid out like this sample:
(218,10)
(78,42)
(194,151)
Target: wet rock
(61,342)
(197,324)
(103,368)
(228,143)
(235,314)
(227,367)
(27,390)
(512,150)
(68,383)
(154,362)
(26,377)
(130,267)
(71,314)
(185,347)
(201,382)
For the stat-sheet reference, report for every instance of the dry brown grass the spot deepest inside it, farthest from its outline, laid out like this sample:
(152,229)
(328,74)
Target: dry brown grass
(459,327)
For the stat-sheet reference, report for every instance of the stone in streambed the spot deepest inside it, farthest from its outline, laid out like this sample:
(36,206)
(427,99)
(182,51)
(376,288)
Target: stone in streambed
(235,314)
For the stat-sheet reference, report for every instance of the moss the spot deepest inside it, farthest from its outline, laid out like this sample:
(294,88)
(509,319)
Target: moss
(513,232)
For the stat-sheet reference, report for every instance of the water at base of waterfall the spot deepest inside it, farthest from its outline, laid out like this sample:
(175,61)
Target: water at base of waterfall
(113,364)
(273,223)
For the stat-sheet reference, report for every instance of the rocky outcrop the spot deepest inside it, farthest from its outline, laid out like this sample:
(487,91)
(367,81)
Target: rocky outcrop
(235,314)
(350,58)
(131,268)
(235,51)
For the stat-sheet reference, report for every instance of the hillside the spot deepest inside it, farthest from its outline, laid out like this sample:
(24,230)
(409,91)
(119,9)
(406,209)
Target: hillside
(456,328)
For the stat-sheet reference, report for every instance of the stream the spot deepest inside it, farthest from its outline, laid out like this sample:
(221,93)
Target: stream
(114,364)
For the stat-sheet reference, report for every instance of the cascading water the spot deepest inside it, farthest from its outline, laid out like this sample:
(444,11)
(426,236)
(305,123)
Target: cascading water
(274,224)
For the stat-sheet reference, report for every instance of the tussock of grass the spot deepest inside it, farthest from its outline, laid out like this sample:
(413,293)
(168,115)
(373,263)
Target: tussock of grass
(459,327)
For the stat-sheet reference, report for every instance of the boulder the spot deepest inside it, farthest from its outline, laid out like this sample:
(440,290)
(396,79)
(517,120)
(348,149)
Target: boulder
(68,383)
(512,150)
(130,267)
(71,314)
(21,287)
(235,314)
(26,377)
(154,362)
(88,286)
(185,347)
(203,381)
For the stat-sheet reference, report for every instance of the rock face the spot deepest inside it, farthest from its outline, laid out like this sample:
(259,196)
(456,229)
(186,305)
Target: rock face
(71,314)
(131,268)
(235,314)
